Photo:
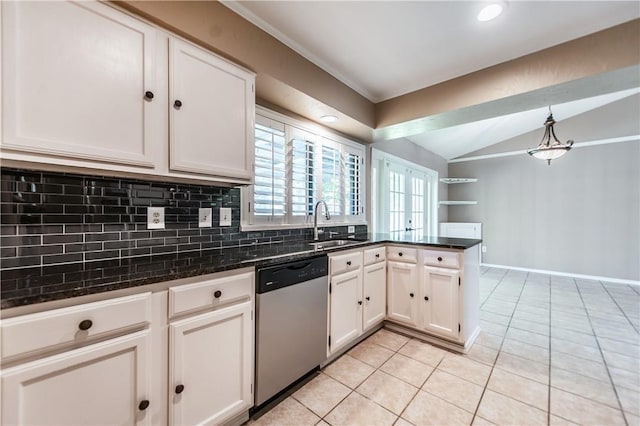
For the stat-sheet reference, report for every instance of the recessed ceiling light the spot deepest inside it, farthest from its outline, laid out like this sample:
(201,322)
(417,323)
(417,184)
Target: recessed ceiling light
(490,12)
(329,118)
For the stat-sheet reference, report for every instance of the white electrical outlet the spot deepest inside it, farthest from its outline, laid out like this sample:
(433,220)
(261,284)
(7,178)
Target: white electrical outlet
(225,216)
(204,217)
(351,229)
(484,248)
(155,217)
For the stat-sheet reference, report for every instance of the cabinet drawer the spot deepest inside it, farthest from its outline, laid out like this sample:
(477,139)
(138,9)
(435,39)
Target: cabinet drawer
(402,254)
(443,259)
(345,262)
(209,293)
(374,255)
(29,334)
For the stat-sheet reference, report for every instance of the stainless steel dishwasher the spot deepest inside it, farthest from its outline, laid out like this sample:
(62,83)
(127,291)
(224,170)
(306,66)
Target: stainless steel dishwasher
(291,323)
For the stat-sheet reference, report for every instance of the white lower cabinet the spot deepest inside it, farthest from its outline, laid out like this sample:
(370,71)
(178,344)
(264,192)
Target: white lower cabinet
(440,301)
(374,290)
(402,292)
(434,292)
(210,366)
(211,349)
(346,309)
(105,383)
(108,362)
(357,299)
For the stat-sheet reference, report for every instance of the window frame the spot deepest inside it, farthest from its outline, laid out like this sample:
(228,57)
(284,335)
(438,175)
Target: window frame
(279,127)
(320,137)
(382,164)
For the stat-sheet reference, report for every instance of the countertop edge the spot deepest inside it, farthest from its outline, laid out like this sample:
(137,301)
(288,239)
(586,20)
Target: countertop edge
(113,285)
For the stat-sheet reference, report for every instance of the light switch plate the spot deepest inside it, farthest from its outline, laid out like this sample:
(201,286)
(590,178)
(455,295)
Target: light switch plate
(204,217)
(225,216)
(155,217)
(351,229)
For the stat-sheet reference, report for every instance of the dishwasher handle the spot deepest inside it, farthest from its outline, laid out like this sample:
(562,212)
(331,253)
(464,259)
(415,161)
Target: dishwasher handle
(296,267)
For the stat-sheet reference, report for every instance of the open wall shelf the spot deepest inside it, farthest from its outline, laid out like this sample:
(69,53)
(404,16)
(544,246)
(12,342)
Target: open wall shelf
(457,203)
(450,180)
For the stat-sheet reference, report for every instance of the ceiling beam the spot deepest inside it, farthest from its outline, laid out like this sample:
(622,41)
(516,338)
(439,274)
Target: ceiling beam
(592,65)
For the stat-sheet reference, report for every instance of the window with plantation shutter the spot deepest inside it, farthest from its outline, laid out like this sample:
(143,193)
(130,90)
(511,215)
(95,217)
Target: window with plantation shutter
(354,174)
(269,189)
(294,168)
(303,185)
(332,186)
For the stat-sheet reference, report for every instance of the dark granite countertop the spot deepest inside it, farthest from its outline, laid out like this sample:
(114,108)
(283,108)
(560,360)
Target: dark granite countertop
(26,286)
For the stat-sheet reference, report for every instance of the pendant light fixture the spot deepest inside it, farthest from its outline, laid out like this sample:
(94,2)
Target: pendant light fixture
(547,149)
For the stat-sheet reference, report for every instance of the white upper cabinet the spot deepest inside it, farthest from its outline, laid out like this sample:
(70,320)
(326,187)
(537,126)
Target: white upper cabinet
(211,114)
(74,80)
(87,86)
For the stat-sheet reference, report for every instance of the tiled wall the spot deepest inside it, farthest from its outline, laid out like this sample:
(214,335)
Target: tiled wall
(50,218)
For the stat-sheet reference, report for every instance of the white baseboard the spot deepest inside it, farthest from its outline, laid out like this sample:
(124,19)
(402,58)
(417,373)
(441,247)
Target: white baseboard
(565,274)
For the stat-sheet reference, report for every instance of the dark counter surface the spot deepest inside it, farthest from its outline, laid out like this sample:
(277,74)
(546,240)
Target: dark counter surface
(26,286)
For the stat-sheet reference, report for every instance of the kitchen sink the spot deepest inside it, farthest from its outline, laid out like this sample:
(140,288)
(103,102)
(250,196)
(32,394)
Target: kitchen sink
(319,245)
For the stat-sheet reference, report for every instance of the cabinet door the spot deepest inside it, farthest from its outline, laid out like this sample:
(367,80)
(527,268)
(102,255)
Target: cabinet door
(374,285)
(211,358)
(346,308)
(211,131)
(440,301)
(74,79)
(101,384)
(402,297)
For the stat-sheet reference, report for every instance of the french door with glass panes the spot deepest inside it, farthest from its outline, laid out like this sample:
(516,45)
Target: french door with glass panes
(407,200)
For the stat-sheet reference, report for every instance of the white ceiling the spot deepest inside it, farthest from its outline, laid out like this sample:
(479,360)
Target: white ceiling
(383,49)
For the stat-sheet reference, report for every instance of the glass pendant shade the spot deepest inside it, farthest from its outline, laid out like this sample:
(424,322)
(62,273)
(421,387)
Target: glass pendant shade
(547,149)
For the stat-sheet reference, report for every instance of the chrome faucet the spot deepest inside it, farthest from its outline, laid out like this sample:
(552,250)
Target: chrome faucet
(315,218)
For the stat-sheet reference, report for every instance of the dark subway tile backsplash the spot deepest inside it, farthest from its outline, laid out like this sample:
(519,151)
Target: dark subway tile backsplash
(54,218)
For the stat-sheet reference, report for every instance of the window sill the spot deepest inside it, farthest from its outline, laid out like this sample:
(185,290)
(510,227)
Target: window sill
(271,227)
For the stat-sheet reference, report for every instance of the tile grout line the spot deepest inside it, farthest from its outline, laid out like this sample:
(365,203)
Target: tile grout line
(606,365)
(621,310)
(486,386)
(494,288)
(420,388)
(365,379)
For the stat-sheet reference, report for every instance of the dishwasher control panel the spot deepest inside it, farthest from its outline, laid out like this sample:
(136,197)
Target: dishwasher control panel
(290,273)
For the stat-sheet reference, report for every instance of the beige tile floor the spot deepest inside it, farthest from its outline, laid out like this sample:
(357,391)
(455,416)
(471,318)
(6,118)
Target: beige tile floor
(553,350)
